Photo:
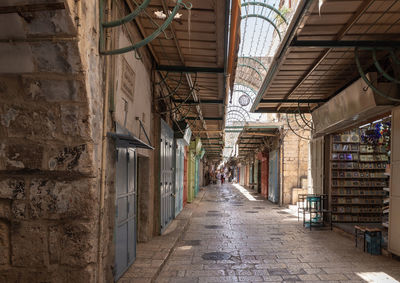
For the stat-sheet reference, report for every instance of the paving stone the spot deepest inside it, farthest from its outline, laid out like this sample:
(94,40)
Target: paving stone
(266,246)
(250,279)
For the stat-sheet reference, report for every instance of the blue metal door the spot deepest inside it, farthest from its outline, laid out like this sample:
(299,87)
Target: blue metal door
(179,174)
(273,178)
(166,175)
(125,231)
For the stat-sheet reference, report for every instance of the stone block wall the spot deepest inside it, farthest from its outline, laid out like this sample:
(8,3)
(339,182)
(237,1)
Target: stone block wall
(50,138)
(294,155)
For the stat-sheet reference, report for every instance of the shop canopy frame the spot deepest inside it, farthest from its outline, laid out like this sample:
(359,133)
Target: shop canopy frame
(189,48)
(255,136)
(326,49)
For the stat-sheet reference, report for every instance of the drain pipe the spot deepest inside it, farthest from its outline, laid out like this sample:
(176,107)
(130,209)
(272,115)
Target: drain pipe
(104,143)
(234,22)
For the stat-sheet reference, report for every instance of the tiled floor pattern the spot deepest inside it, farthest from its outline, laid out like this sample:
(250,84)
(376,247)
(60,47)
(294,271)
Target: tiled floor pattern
(265,244)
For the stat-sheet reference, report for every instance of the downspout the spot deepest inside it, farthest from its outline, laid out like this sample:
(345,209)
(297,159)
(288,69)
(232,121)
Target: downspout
(234,20)
(281,169)
(304,6)
(226,77)
(103,142)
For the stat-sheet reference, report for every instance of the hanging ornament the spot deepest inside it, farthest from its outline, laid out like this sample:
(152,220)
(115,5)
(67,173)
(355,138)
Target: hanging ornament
(320,3)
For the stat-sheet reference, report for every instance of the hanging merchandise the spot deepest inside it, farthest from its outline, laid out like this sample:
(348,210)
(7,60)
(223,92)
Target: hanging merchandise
(358,187)
(377,135)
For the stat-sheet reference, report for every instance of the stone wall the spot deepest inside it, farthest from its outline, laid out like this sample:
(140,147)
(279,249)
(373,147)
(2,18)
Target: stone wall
(50,144)
(294,158)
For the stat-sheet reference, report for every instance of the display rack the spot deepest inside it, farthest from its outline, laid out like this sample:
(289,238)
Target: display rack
(386,201)
(357,179)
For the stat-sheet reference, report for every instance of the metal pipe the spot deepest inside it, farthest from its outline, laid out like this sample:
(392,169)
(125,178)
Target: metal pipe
(381,70)
(233,34)
(251,67)
(150,37)
(129,17)
(266,6)
(265,19)
(367,81)
(255,60)
(103,148)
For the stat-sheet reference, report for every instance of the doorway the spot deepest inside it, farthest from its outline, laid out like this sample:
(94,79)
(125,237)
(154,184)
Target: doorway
(125,214)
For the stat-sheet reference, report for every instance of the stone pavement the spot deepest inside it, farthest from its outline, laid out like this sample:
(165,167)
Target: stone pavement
(152,255)
(234,235)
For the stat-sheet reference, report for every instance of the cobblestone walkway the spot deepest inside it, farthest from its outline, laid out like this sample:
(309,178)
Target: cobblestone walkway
(261,242)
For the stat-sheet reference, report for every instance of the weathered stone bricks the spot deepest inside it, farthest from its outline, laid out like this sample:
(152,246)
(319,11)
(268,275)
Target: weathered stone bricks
(5,208)
(29,244)
(54,199)
(12,188)
(21,157)
(76,159)
(23,121)
(78,243)
(4,243)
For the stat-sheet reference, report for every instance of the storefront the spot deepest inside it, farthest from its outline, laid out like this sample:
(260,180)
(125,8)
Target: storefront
(182,134)
(273,177)
(358,160)
(193,168)
(263,158)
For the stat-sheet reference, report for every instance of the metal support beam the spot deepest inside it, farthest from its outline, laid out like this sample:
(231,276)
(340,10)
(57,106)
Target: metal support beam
(254,127)
(184,69)
(261,134)
(293,101)
(356,16)
(288,111)
(214,101)
(206,118)
(345,44)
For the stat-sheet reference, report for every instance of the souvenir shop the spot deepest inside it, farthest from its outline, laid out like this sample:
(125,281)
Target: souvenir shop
(358,145)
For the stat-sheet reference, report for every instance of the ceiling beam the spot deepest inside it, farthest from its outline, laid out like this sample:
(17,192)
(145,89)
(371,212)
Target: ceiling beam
(260,134)
(293,100)
(208,131)
(275,110)
(184,69)
(187,75)
(345,43)
(208,101)
(360,11)
(206,118)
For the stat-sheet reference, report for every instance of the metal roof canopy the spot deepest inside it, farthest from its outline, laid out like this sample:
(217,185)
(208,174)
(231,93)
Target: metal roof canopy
(192,58)
(316,59)
(253,135)
(127,140)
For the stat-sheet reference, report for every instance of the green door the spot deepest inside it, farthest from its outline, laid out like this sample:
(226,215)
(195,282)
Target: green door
(196,176)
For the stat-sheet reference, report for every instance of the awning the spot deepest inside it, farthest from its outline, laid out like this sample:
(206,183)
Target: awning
(326,48)
(126,140)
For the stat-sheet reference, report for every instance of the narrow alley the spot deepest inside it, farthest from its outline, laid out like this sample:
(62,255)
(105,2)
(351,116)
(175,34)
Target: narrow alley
(148,141)
(235,235)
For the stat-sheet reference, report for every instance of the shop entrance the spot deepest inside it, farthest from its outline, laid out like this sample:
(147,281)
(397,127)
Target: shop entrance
(125,218)
(359,176)
(273,177)
(166,175)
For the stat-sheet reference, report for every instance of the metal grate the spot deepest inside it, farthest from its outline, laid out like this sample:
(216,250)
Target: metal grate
(214,227)
(216,256)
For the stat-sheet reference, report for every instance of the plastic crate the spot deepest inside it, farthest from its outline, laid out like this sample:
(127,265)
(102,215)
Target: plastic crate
(373,243)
